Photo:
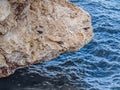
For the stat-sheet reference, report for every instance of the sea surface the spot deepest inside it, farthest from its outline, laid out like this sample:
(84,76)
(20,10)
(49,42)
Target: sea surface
(94,67)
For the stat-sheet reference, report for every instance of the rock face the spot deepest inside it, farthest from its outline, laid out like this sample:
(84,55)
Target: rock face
(33,31)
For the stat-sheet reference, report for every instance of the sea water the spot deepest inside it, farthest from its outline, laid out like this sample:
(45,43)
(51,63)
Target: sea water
(94,67)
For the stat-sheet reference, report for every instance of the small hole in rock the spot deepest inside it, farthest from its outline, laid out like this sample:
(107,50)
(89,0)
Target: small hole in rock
(86,28)
(40,32)
(60,42)
(1,33)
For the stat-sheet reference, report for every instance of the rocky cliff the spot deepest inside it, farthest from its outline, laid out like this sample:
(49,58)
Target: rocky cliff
(33,31)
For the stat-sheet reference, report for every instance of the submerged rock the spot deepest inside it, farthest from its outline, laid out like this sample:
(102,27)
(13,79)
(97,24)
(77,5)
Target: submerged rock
(33,31)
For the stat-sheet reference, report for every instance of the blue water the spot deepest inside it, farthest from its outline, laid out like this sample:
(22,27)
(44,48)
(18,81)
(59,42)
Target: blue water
(94,67)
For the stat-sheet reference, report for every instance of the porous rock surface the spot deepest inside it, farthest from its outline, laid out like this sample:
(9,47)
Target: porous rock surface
(33,31)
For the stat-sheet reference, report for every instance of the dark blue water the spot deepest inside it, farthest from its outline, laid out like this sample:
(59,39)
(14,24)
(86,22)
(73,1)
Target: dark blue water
(95,67)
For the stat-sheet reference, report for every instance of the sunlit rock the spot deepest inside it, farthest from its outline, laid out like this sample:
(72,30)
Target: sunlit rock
(32,31)
(4,9)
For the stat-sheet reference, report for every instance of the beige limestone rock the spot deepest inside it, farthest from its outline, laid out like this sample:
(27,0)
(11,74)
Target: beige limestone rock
(4,9)
(33,31)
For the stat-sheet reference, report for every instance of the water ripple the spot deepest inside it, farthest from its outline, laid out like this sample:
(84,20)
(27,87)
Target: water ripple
(95,67)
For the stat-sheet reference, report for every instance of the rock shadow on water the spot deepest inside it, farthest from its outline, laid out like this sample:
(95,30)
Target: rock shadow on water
(28,79)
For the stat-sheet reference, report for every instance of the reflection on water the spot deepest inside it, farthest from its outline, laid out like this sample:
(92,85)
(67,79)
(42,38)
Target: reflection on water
(95,67)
